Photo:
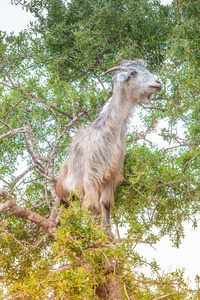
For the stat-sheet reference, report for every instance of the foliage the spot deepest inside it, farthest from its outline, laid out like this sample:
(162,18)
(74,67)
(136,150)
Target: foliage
(81,258)
(50,85)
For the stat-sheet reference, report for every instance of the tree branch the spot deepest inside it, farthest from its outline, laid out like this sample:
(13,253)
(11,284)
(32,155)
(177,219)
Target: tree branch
(23,213)
(14,238)
(60,269)
(39,166)
(16,296)
(6,182)
(60,136)
(6,125)
(172,183)
(170,294)
(13,132)
(23,174)
(34,145)
(6,84)
(66,114)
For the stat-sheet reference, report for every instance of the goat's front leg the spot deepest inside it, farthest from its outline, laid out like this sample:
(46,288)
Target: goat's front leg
(106,201)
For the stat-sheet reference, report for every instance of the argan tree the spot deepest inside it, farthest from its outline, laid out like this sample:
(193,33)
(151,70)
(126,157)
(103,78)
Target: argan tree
(50,85)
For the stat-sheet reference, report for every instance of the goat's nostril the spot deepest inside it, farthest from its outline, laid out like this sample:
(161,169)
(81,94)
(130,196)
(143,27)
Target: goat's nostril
(158,81)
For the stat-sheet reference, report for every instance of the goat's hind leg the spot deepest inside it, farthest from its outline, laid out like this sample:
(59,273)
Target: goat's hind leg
(106,201)
(91,201)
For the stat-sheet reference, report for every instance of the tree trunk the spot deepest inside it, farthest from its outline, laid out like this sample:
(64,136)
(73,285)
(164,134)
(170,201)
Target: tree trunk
(110,290)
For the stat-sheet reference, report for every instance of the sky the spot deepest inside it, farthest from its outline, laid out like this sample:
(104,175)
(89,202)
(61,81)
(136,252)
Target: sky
(13,18)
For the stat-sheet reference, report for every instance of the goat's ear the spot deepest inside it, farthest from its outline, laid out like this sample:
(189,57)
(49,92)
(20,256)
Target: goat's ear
(123,76)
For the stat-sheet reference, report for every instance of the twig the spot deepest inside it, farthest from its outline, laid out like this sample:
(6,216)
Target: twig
(117,229)
(172,183)
(6,125)
(34,146)
(18,242)
(23,174)
(6,182)
(66,114)
(16,296)
(39,166)
(9,86)
(165,296)
(127,296)
(60,269)
(52,154)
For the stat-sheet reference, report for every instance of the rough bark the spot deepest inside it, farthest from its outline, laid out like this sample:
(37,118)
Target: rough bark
(24,213)
(110,290)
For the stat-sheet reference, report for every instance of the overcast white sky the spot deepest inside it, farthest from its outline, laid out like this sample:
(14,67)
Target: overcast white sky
(13,18)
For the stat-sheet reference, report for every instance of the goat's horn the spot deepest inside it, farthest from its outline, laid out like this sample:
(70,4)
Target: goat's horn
(112,70)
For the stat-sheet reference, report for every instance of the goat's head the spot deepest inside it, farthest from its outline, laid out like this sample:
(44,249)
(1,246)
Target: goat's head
(135,81)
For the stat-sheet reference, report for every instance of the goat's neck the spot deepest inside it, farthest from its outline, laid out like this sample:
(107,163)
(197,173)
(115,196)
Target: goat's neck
(119,109)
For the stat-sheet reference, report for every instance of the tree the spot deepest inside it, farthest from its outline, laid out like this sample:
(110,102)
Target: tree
(50,84)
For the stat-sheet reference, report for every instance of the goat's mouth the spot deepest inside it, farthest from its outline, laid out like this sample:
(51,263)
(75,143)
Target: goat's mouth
(155,88)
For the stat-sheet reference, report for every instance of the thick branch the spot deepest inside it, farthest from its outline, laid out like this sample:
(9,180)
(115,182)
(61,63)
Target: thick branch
(23,213)
(13,132)
(5,205)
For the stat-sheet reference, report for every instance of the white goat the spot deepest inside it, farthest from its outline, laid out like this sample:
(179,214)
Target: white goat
(95,162)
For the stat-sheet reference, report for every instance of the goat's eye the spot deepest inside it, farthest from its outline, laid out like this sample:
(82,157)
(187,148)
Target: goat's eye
(133,73)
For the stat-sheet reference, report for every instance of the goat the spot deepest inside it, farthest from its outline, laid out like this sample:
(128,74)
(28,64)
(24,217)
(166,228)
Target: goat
(95,162)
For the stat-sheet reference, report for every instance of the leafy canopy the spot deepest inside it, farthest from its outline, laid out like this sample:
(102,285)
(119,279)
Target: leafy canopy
(50,85)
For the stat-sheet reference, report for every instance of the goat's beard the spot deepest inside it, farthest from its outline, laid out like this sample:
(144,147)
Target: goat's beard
(145,100)
(148,100)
